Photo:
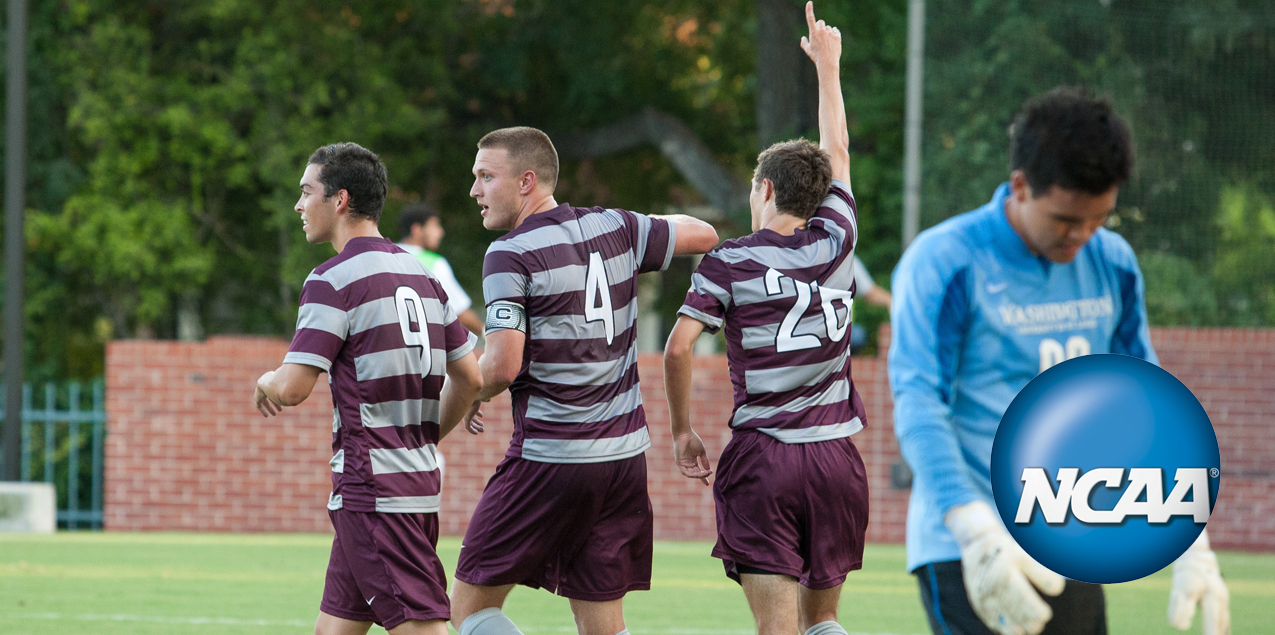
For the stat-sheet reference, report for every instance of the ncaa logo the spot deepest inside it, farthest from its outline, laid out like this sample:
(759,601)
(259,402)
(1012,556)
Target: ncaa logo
(1105,468)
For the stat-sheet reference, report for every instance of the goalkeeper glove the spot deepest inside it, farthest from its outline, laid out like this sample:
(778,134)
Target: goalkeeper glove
(1197,580)
(999,575)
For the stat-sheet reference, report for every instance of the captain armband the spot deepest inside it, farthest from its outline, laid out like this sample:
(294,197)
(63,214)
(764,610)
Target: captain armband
(506,315)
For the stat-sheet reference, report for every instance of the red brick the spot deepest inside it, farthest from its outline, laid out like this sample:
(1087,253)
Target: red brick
(197,456)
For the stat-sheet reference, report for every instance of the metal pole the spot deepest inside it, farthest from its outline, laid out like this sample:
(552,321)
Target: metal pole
(15,150)
(912,125)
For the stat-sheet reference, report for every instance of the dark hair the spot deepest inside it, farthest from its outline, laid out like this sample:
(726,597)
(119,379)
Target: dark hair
(801,173)
(414,214)
(529,149)
(1071,139)
(355,169)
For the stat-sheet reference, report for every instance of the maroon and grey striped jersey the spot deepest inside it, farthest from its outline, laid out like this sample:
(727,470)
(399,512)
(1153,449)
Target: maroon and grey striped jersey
(380,325)
(573,271)
(786,305)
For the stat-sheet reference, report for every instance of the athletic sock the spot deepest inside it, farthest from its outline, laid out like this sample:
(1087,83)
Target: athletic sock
(623,632)
(826,628)
(489,621)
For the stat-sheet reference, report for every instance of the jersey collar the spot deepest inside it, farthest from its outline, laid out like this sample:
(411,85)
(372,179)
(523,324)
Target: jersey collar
(539,219)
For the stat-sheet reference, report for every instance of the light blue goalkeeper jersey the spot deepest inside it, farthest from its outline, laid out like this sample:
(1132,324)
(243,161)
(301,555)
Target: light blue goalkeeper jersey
(976,316)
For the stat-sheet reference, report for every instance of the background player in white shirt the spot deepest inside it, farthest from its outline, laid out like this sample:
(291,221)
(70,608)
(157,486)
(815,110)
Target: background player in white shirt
(420,234)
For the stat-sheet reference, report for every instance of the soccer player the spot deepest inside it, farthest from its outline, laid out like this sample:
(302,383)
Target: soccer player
(791,489)
(379,325)
(420,234)
(567,509)
(982,303)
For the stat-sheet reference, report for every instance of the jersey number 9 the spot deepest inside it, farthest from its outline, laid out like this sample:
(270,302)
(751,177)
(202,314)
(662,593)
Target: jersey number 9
(411,309)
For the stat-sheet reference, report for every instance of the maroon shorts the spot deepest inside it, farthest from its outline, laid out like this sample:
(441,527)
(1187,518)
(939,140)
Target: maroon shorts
(583,530)
(384,569)
(797,509)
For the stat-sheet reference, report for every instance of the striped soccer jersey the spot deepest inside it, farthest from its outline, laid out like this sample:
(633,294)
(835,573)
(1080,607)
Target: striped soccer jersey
(786,305)
(380,325)
(574,271)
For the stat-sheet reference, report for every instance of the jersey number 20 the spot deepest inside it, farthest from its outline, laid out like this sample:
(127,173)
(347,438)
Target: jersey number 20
(785,340)
(410,308)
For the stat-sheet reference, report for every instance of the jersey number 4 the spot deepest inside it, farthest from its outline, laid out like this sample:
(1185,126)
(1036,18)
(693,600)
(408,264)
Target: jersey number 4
(597,296)
(786,340)
(411,310)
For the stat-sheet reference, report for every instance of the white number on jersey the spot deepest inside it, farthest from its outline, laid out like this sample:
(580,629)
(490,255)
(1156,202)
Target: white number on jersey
(1053,352)
(786,341)
(595,286)
(410,308)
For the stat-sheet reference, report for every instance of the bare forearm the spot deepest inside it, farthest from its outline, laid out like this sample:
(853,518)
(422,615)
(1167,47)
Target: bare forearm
(677,388)
(501,362)
(464,382)
(457,397)
(694,236)
(470,321)
(823,45)
(494,379)
(290,384)
(834,137)
(489,391)
(879,297)
(678,365)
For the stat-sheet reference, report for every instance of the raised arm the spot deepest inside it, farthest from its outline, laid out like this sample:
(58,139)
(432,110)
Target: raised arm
(823,45)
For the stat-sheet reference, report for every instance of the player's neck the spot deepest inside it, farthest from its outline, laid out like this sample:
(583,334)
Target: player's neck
(535,205)
(782,224)
(358,229)
(1013,214)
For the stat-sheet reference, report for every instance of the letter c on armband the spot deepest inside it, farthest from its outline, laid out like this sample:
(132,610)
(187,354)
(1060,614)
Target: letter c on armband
(506,315)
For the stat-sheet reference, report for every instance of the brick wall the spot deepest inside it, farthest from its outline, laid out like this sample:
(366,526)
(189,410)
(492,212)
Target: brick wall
(187,451)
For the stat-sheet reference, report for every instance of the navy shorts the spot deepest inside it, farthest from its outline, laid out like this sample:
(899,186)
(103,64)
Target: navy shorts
(581,530)
(796,509)
(1080,610)
(384,569)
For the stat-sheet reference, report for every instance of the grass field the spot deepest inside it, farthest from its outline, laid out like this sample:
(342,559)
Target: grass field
(214,583)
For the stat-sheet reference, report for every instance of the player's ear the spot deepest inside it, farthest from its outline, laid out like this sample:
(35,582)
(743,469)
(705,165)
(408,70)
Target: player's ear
(1018,185)
(768,190)
(342,201)
(528,183)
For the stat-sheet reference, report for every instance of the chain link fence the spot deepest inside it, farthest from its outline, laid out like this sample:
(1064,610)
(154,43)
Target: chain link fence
(1196,81)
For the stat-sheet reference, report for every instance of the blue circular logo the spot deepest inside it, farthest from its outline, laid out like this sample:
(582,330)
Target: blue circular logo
(1105,468)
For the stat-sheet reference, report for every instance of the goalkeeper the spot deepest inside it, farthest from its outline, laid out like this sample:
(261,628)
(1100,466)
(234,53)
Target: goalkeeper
(978,312)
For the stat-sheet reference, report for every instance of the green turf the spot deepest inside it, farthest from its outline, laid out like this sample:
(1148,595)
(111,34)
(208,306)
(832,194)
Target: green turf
(213,583)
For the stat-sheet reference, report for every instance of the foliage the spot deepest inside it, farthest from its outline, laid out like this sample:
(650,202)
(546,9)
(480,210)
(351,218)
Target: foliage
(1245,267)
(1192,77)
(166,138)
(1177,293)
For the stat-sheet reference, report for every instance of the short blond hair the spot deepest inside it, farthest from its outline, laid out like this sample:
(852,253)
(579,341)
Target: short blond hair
(528,148)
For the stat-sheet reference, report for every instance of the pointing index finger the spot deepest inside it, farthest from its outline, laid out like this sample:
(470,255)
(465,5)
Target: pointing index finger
(810,16)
